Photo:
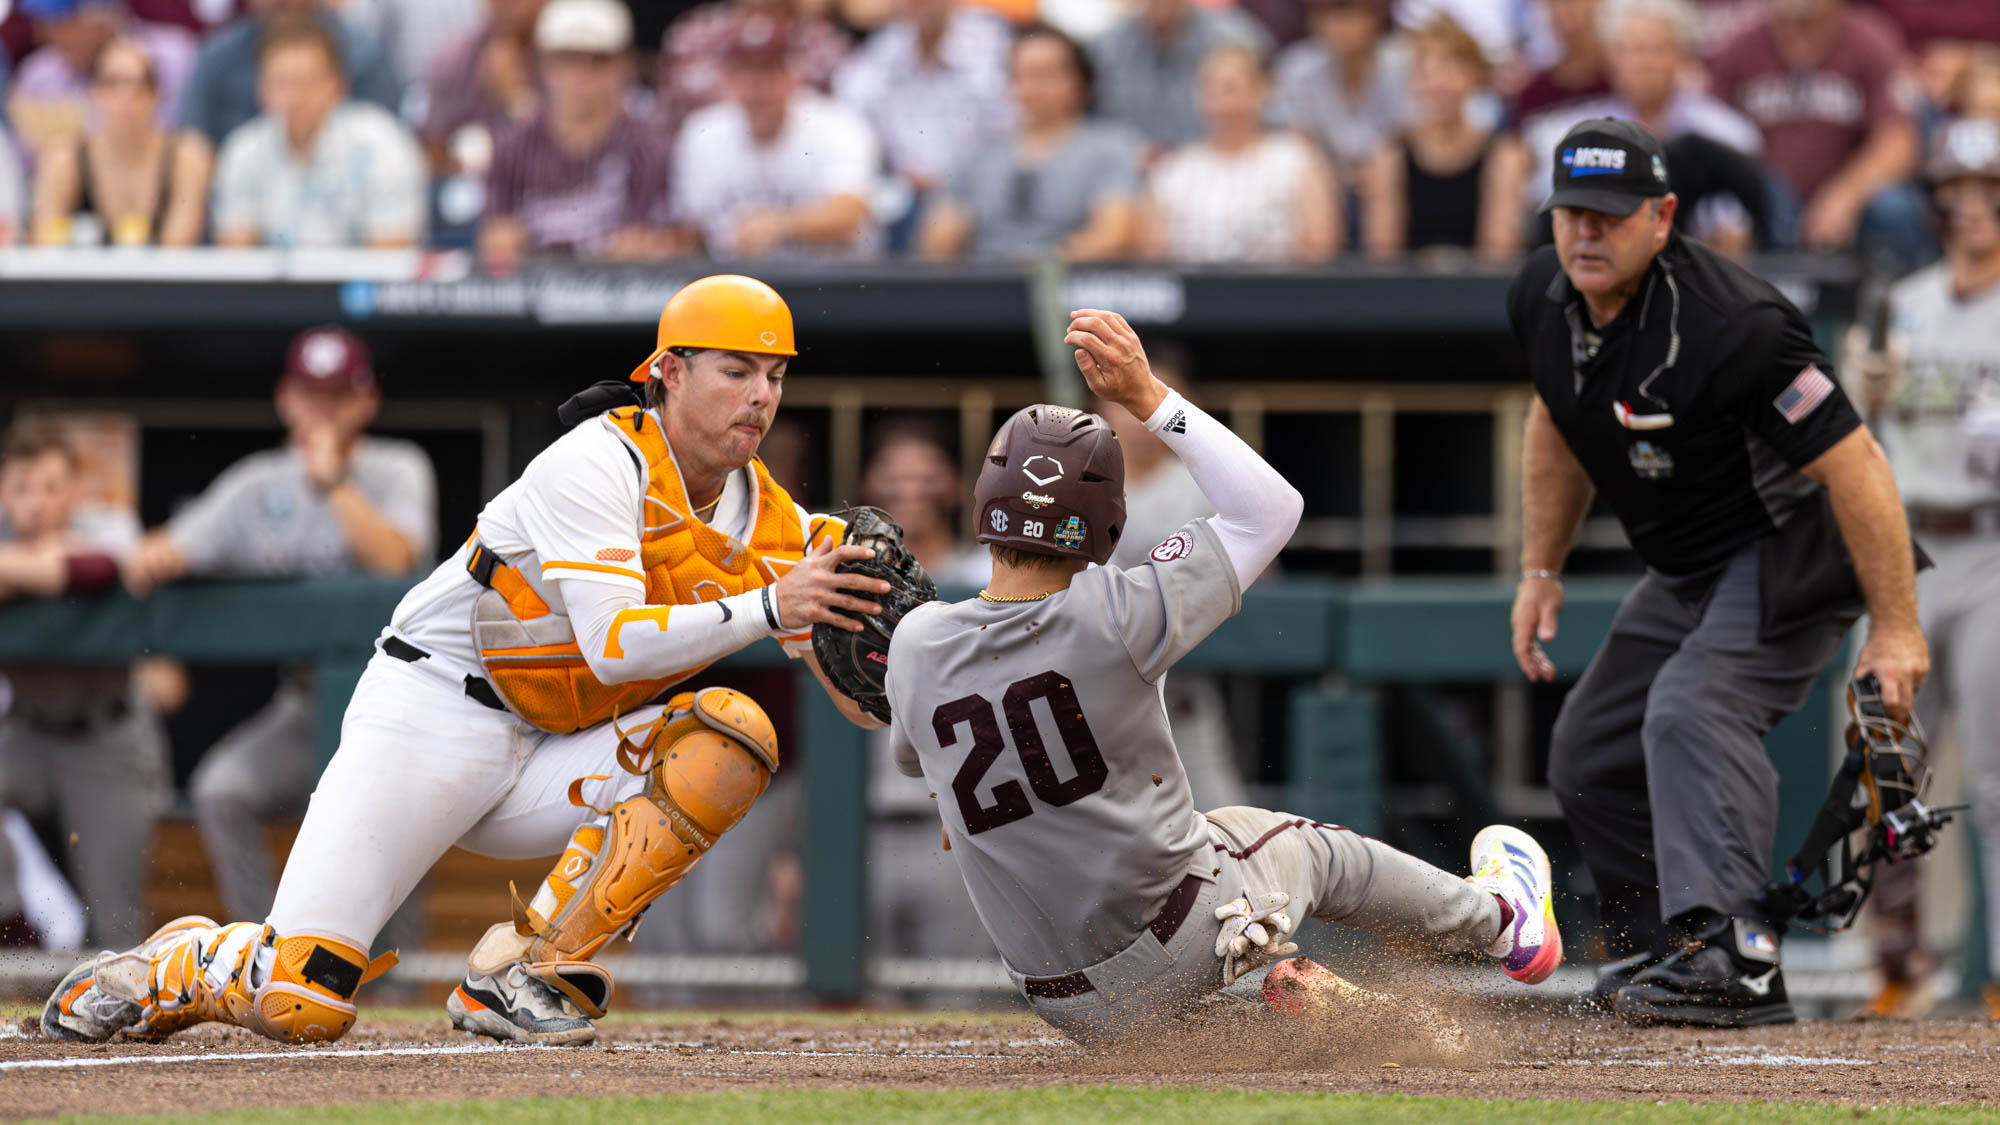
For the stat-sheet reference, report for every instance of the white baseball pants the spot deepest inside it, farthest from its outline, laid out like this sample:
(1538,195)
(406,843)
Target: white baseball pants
(421,767)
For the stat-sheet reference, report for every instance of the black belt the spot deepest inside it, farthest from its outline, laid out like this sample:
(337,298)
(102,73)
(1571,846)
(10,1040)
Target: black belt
(476,689)
(1164,926)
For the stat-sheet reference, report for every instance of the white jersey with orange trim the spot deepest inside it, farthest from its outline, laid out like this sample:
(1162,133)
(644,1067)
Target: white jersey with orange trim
(571,526)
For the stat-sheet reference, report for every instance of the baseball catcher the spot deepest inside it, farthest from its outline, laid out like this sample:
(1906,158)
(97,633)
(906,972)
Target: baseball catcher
(1034,710)
(510,710)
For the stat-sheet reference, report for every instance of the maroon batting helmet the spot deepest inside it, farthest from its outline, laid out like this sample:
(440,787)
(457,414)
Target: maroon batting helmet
(1053,484)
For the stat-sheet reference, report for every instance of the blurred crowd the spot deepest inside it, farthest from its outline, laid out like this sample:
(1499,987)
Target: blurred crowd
(1166,130)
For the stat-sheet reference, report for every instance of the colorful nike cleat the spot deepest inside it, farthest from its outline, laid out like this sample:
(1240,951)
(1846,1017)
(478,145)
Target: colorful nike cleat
(1508,864)
(81,1011)
(513,1005)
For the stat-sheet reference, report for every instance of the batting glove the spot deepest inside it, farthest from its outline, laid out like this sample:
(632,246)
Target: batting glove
(1254,928)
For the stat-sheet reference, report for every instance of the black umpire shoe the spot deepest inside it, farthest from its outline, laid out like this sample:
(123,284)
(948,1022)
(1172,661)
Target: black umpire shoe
(1616,975)
(1726,976)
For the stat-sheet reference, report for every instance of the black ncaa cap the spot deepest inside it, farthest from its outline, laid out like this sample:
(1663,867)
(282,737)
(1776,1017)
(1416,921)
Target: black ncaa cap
(1607,165)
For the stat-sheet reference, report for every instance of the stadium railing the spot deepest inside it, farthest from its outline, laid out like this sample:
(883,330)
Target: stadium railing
(1334,643)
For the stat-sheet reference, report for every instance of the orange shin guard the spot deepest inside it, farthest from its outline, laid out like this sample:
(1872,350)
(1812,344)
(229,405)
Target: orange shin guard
(708,757)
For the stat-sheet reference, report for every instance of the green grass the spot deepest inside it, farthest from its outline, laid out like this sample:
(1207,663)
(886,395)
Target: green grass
(1081,1105)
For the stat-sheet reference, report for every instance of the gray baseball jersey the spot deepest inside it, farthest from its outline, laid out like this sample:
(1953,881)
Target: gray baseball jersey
(263,519)
(1039,726)
(1942,431)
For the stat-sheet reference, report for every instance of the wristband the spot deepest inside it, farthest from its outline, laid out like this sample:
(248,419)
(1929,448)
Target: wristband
(1552,575)
(770,609)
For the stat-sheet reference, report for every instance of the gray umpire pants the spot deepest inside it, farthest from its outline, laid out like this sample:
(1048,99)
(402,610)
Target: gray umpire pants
(105,786)
(264,770)
(1658,754)
(1331,874)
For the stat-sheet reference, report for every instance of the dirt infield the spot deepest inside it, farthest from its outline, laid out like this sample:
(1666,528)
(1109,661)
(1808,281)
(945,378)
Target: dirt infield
(1525,1052)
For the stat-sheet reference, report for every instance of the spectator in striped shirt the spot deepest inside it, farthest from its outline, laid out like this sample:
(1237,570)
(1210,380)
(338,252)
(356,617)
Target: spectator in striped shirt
(583,176)
(1243,193)
(1447,181)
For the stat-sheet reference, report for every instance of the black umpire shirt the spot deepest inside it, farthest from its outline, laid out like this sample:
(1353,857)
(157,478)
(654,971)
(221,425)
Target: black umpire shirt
(1692,410)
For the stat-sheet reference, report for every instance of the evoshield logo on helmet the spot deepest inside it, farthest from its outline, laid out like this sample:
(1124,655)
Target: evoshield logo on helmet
(769,338)
(1044,481)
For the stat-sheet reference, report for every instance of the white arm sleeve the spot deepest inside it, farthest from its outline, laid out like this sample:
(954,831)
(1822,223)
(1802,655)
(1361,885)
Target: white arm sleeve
(623,639)
(1256,509)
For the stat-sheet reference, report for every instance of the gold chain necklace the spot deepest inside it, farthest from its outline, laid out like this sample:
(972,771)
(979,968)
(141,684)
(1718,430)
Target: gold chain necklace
(986,597)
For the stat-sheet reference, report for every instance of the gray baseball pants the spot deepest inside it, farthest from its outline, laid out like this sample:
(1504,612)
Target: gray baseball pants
(106,787)
(1331,874)
(1958,604)
(1658,754)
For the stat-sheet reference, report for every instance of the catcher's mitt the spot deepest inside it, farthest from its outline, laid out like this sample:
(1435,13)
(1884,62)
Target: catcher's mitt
(856,663)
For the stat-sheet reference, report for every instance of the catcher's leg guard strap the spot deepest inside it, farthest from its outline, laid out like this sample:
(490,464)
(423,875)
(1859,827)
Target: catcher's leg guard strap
(709,759)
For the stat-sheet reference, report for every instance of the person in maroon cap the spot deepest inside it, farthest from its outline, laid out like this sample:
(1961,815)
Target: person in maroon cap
(330,501)
(694,49)
(583,176)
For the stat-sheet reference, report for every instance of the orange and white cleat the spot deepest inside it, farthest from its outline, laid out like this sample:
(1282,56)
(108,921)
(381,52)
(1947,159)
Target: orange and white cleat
(1508,864)
(80,1011)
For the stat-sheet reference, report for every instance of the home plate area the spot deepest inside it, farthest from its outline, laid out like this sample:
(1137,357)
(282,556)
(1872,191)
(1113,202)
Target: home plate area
(1520,1052)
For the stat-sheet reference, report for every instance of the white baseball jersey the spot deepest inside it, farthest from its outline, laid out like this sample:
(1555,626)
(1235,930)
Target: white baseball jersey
(1942,430)
(1041,729)
(569,525)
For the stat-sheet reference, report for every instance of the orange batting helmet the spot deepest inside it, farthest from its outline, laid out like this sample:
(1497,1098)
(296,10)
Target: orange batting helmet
(727,312)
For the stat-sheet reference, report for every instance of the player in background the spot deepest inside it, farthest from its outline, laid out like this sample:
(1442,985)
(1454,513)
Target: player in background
(80,745)
(1034,710)
(332,500)
(1932,394)
(511,692)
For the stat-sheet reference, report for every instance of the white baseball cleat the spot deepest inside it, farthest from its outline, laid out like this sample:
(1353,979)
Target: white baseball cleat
(512,1004)
(1507,863)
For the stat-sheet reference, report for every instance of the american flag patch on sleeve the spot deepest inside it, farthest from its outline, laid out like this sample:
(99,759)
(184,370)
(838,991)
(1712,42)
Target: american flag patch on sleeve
(1806,392)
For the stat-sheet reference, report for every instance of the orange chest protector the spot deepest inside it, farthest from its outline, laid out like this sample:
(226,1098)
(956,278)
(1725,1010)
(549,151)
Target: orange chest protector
(531,654)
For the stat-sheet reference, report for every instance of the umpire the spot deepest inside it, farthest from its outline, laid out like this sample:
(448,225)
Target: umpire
(1692,396)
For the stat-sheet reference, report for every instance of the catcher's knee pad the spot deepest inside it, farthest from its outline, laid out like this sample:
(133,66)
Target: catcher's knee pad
(303,990)
(708,757)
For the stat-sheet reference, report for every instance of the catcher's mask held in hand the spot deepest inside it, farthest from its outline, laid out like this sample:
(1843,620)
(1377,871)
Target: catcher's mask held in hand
(857,663)
(1053,484)
(1875,812)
